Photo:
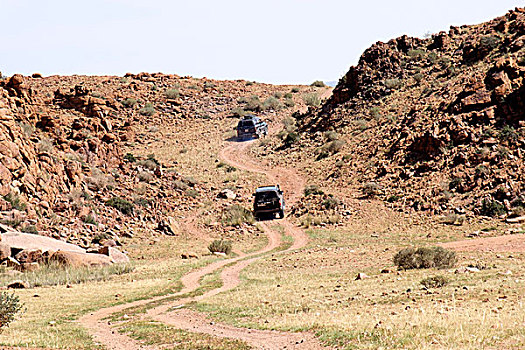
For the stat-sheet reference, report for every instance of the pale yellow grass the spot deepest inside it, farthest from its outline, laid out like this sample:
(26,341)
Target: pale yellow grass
(50,312)
(315,289)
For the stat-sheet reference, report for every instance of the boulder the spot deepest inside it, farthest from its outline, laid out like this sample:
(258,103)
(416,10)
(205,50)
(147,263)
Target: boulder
(5,251)
(21,241)
(28,267)
(19,284)
(116,255)
(29,256)
(227,194)
(80,259)
(189,255)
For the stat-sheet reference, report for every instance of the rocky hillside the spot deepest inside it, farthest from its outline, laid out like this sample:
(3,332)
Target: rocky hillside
(68,167)
(433,124)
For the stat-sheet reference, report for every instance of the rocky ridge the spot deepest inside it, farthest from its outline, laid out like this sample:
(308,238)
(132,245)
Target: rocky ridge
(434,125)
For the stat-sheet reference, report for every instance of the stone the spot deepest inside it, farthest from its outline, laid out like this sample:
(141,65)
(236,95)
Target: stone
(29,256)
(19,284)
(189,255)
(5,251)
(116,255)
(80,259)
(227,194)
(361,276)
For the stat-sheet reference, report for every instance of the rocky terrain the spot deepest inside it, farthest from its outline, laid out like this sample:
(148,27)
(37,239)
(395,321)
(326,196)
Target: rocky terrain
(434,125)
(68,167)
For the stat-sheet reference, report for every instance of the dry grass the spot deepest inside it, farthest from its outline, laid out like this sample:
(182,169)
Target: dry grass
(315,289)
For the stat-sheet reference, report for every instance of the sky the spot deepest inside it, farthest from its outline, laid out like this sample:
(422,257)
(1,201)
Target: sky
(279,42)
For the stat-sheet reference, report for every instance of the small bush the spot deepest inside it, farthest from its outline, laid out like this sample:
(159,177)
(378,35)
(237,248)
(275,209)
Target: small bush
(278,95)
(508,133)
(30,229)
(295,90)
(312,189)
(318,83)
(124,206)
(129,102)
(288,95)
(424,258)
(15,201)
(490,42)
(45,145)
(331,202)
(253,104)
(335,146)
(227,167)
(236,215)
(147,110)
(272,103)
(491,208)
(238,112)
(172,93)
(393,83)
(129,157)
(375,112)
(331,135)
(416,53)
(291,138)
(220,246)
(312,100)
(145,176)
(9,306)
(434,282)
(370,189)
(288,102)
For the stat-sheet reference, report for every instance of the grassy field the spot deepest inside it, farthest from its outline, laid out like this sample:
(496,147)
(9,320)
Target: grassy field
(316,289)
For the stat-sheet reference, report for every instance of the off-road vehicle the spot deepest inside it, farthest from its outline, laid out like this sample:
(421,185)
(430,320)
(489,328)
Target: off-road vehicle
(251,126)
(268,200)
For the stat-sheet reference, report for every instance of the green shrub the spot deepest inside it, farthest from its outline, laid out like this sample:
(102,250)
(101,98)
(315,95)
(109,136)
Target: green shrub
(238,112)
(278,95)
(253,104)
(147,110)
(331,135)
(295,90)
(30,229)
(220,246)
(416,53)
(312,189)
(312,100)
(291,138)
(508,133)
(288,95)
(9,306)
(490,42)
(236,215)
(172,93)
(434,282)
(124,206)
(15,201)
(424,258)
(318,83)
(393,83)
(375,112)
(288,102)
(491,208)
(129,102)
(129,157)
(271,103)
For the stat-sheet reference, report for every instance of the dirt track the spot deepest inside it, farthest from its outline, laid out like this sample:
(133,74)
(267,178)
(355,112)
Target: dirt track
(235,154)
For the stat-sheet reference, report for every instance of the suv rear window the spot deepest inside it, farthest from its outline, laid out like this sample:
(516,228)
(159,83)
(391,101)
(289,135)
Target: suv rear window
(245,123)
(265,196)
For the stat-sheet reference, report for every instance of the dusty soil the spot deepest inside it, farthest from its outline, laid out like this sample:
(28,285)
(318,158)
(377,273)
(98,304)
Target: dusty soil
(508,243)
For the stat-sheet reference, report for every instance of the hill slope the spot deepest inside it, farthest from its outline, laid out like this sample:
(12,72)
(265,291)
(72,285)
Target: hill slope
(433,124)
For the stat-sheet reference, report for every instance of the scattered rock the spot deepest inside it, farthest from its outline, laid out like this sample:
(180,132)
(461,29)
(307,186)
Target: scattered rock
(361,276)
(19,284)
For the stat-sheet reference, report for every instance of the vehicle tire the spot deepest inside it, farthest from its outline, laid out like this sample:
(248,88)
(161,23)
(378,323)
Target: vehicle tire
(281,214)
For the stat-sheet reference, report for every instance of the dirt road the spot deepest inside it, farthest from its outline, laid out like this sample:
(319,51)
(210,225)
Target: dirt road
(236,154)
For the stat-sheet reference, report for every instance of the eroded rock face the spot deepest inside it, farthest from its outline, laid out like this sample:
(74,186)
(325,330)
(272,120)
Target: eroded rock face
(424,113)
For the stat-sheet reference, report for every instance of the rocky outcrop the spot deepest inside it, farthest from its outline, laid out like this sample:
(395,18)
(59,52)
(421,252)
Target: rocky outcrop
(438,122)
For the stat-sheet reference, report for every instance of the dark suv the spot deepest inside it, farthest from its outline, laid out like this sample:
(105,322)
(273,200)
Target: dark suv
(268,200)
(251,126)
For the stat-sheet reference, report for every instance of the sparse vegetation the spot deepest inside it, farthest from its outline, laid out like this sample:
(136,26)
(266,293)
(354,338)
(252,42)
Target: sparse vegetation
(172,93)
(312,190)
(236,215)
(10,305)
(312,100)
(393,84)
(147,110)
(220,246)
(492,208)
(434,282)
(129,102)
(318,83)
(15,201)
(424,258)
(124,206)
